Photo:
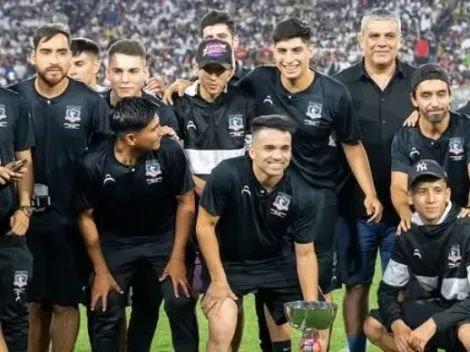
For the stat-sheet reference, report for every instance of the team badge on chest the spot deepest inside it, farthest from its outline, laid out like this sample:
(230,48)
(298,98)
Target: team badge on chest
(153,171)
(281,204)
(3,116)
(236,125)
(456,148)
(314,112)
(73,117)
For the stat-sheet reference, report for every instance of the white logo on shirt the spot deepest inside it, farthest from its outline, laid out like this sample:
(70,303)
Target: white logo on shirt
(314,111)
(414,152)
(191,124)
(246,190)
(454,256)
(72,117)
(456,149)
(108,179)
(268,100)
(153,171)
(416,253)
(281,204)
(3,116)
(236,125)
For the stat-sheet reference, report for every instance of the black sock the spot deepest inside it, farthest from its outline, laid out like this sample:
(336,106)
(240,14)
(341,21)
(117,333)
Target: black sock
(282,346)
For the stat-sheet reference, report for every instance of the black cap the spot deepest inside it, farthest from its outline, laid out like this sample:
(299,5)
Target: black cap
(428,72)
(214,51)
(426,167)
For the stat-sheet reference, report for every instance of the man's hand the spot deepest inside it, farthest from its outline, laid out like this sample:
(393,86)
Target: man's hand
(170,132)
(374,209)
(464,212)
(176,87)
(155,86)
(176,270)
(422,334)
(412,120)
(215,296)
(405,221)
(102,285)
(19,223)
(10,173)
(402,336)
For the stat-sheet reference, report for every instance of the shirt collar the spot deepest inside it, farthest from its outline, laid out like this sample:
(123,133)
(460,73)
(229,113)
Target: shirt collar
(360,70)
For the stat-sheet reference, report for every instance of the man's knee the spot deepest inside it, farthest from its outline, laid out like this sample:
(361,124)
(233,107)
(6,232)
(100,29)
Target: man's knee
(64,310)
(373,329)
(222,325)
(463,334)
(179,304)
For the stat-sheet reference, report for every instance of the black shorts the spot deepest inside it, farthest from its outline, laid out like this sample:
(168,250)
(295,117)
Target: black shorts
(59,265)
(15,269)
(415,313)
(325,242)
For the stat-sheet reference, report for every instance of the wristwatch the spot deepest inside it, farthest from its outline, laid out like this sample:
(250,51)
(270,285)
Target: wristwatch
(28,210)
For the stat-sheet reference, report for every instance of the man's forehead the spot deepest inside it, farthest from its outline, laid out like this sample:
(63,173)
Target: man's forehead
(381,26)
(219,28)
(83,56)
(58,41)
(432,85)
(127,62)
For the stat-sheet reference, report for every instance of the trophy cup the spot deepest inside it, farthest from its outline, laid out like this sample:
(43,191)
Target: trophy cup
(307,316)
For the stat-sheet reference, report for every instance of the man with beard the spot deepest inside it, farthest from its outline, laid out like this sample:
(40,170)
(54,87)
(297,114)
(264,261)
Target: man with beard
(435,253)
(440,135)
(65,115)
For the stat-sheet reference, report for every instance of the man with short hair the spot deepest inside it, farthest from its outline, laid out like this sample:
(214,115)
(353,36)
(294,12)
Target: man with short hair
(435,252)
(440,135)
(379,88)
(66,114)
(85,62)
(136,211)
(250,211)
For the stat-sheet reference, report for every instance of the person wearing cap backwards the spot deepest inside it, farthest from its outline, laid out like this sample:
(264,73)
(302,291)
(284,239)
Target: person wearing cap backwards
(440,135)
(435,252)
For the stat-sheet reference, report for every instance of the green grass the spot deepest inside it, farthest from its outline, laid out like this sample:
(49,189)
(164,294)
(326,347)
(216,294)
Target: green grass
(162,339)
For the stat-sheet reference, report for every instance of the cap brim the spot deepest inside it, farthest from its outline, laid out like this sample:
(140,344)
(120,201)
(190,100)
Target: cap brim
(225,66)
(422,174)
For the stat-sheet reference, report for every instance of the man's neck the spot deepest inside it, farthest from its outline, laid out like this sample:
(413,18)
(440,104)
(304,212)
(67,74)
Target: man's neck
(206,96)
(380,74)
(434,130)
(114,98)
(50,91)
(268,182)
(299,84)
(125,154)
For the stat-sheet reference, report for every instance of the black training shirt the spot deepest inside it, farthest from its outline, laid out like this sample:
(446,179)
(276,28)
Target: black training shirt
(214,131)
(165,113)
(380,113)
(325,118)
(16,135)
(138,200)
(63,127)
(253,225)
(451,150)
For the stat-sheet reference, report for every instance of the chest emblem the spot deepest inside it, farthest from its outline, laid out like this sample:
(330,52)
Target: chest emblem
(72,117)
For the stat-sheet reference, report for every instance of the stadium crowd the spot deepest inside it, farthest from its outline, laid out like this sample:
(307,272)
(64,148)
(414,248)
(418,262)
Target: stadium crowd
(434,30)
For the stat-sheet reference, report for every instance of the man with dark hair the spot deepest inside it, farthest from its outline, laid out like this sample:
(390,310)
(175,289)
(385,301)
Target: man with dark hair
(85,62)
(440,135)
(379,87)
(136,211)
(16,185)
(435,252)
(250,210)
(65,115)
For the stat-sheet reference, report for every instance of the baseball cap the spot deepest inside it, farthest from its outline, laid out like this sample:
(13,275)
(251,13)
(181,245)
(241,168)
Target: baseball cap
(428,72)
(214,51)
(426,167)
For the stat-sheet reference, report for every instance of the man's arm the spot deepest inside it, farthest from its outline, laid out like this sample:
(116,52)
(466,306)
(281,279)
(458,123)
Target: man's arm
(307,270)
(25,184)
(184,223)
(199,184)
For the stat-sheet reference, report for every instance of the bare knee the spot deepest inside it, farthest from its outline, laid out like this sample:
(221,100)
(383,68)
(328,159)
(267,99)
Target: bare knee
(222,325)
(373,329)
(463,333)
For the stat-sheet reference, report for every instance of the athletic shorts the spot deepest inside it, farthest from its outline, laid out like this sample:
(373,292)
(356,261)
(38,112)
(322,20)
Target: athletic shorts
(60,265)
(415,313)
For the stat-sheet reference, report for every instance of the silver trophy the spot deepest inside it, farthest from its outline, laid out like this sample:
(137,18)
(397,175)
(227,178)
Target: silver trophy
(308,316)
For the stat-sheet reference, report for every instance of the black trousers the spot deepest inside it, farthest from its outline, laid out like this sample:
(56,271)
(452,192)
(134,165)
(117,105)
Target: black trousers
(15,274)
(132,263)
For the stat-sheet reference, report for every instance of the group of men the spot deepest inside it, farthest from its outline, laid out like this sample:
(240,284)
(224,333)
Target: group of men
(280,181)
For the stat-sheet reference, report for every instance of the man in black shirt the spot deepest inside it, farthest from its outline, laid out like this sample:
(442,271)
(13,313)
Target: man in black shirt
(136,210)
(323,111)
(250,211)
(379,86)
(17,138)
(435,253)
(440,135)
(65,115)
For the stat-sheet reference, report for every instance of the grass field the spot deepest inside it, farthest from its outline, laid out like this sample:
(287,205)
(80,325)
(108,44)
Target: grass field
(162,339)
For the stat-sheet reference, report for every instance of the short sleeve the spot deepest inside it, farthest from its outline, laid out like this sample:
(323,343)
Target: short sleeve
(303,224)
(24,133)
(87,186)
(180,175)
(101,116)
(168,117)
(399,155)
(216,194)
(345,121)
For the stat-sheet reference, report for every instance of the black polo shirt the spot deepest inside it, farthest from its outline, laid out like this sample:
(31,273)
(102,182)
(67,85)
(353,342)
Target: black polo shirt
(214,131)
(451,150)
(380,113)
(255,226)
(165,113)
(16,135)
(325,118)
(63,127)
(137,200)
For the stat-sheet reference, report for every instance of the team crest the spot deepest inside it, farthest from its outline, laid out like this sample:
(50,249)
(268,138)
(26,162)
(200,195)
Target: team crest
(152,168)
(235,122)
(314,110)
(456,146)
(454,256)
(3,113)
(20,279)
(282,202)
(73,114)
